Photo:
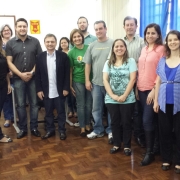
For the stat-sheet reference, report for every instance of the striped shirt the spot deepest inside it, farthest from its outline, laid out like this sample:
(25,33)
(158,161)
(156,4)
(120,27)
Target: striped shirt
(135,46)
(162,91)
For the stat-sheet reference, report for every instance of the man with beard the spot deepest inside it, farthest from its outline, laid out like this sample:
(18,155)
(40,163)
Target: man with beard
(21,54)
(83,26)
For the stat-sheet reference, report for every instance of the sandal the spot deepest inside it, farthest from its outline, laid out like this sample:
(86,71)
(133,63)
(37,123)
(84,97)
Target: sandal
(5,140)
(177,169)
(127,151)
(70,115)
(166,166)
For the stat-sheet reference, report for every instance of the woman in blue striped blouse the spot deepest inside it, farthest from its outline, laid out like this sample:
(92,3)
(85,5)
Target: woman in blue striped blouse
(167,100)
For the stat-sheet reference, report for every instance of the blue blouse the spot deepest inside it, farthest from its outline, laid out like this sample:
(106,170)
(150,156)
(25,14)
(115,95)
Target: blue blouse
(170,75)
(162,91)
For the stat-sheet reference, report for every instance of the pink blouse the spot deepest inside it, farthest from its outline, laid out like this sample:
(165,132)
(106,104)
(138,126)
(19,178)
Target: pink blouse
(147,65)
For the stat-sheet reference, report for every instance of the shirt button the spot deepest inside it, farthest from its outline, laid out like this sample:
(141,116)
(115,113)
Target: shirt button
(24,58)
(24,63)
(25,69)
(23,47)
(24,52)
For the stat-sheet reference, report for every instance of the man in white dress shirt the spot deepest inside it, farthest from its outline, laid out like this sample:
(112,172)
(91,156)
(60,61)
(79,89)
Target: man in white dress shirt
(52,84)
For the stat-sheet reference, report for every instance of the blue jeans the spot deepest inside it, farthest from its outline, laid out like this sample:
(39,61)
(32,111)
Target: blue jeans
(148,112)
(22,88)
(71,103)
(98,94)
(84,104)
(8,108)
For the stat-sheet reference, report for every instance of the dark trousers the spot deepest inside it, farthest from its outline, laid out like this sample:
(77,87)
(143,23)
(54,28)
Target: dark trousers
(58,104)
(3,94)
(137,120)
(121,117)
(148,112)
(168,122)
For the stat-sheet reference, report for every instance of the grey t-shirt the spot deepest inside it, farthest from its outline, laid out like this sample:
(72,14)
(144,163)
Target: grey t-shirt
(96,55)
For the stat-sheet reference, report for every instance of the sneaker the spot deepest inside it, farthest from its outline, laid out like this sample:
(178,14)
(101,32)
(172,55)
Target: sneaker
(93,135)
(69,122)
(110,138)
(76,124)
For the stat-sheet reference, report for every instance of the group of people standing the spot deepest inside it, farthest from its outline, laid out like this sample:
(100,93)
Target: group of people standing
(135,78)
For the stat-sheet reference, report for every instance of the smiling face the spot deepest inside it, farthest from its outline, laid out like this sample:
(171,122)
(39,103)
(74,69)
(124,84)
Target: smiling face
(151,36)
(50,44)
(119,48)
(6,33)
(130,27)
(173,42)
(21,29)
(77,39)
(100,31)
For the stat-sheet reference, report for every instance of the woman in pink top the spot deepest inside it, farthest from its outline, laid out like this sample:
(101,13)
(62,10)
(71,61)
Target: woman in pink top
(147,64)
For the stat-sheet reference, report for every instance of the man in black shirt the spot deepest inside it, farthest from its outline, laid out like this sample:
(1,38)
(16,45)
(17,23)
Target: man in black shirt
(21,54)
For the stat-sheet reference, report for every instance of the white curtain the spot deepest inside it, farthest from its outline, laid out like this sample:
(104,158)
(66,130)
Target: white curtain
(113,13)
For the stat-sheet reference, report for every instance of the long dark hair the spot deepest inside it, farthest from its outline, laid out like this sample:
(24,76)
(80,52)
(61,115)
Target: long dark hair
(168,51)
(59,48)
(112,59)
(159,40)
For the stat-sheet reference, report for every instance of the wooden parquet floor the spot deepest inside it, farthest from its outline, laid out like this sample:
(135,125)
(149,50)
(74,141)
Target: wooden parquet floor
(76,158)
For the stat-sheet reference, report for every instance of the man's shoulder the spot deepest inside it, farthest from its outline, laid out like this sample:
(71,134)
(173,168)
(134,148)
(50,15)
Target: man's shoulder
(33,38)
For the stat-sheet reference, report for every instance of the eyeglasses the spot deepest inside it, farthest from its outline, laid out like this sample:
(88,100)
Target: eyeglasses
(7,30)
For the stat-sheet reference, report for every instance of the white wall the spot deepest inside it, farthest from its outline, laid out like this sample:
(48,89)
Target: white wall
(60,16)
(56,16)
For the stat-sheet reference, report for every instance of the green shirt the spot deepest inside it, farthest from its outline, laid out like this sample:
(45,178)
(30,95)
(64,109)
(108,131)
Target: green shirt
(76,56)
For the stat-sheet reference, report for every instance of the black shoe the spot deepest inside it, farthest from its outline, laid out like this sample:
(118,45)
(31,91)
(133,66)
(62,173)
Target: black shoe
(110,140)
(127,152)
(148,159)
(62,136)
(21,134)
(166,167)
(114,150)
(36,133)
(48,135)
(83,134)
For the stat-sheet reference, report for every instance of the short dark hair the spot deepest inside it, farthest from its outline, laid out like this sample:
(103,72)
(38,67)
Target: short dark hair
(159,40)
(112,59)
(81,18)
(168,51)
(21,19)
(50,35)
(63,38)
(73,32)
(2,29)
(101,21)
(129,18)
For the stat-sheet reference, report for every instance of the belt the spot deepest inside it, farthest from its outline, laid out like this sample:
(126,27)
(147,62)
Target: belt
(170,82)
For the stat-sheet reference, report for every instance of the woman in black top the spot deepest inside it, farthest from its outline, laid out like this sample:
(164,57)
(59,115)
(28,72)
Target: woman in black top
(5,87)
